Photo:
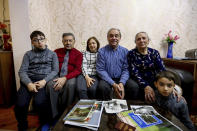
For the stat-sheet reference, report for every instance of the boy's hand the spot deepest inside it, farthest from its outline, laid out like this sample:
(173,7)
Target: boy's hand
(149,94)
(32,87)
(59,83)
(40,84)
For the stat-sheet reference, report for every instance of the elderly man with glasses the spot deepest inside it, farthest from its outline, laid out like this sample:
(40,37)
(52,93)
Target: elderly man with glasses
(62,89)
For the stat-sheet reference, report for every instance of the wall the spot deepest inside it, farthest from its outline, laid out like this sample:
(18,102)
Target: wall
(20,32)
(4,10)
(4,14)
(40,18)
(87,18)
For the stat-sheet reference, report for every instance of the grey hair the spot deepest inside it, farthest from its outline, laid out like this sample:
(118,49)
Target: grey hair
(68,34)
(140,33)
(114,29)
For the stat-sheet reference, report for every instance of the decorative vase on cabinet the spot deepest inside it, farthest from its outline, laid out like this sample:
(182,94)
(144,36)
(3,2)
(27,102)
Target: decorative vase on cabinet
(170,50)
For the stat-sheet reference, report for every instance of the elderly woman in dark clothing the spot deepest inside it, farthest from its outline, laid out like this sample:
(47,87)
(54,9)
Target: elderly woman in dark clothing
(144,64)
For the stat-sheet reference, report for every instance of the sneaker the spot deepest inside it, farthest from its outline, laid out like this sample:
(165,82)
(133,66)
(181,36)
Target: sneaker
(45,127)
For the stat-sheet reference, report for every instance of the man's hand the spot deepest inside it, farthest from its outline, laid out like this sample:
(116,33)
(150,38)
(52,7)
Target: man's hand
(40,84)
(117,90)
(59,83)
(32,87)
(149,94)
(89,81)
(121,90)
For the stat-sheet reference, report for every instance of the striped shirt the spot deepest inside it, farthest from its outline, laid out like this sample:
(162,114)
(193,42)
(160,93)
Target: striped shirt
(112,63)
(89,63)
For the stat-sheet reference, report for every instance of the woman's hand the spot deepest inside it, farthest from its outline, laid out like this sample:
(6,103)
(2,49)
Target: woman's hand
(89,81)
(179,96)
(149,94)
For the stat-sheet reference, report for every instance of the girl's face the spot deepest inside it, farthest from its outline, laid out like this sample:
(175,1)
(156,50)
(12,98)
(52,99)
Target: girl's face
(92,45)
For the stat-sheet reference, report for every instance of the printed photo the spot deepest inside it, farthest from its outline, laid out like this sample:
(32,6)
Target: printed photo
(115,106)
(143,110)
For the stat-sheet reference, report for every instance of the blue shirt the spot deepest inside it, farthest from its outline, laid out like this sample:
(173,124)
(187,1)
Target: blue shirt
(112,63)
(143,68)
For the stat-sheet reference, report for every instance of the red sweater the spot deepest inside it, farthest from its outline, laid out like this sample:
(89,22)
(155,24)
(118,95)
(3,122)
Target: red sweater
(74,62)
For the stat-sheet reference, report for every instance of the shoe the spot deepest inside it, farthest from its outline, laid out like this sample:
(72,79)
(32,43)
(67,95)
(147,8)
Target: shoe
(54,122)
(45,127)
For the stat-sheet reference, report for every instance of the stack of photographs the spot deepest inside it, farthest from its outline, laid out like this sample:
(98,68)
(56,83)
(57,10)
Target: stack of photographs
(146,118)
(86,113)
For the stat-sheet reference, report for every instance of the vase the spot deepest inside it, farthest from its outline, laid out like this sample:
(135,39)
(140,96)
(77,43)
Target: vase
(170,50)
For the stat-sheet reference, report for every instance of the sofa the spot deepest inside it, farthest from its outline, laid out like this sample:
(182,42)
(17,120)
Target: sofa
(186,81)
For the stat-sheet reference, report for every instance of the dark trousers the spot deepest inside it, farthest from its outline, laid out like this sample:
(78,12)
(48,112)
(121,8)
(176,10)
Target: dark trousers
(41,105)
(132,90)
(85,92)
(105,91)
(61,99)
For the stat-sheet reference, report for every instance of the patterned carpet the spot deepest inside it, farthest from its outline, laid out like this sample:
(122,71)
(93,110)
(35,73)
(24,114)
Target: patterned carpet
(9,123)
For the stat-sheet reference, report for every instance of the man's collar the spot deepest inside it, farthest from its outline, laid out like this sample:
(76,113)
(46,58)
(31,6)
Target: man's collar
(67,49)
(114,49)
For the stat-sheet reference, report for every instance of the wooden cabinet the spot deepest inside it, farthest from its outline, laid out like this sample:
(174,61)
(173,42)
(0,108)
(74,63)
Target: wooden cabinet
(7,78)
(190,66)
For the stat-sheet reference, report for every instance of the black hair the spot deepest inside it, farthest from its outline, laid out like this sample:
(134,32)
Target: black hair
(166,74)
(36,33)
(68,34)
(97,42)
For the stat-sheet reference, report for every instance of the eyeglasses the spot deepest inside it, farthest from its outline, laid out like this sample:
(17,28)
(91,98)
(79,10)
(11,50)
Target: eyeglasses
(38,40)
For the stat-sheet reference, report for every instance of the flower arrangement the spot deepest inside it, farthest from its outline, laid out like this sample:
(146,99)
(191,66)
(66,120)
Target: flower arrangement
(2,26)
(5,38)
(169,38)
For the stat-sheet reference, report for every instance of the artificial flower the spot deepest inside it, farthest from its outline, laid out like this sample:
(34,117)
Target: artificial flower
(2,26)
(169,38)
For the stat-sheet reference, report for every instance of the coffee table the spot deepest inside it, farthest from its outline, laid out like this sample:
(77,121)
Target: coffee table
(108,121)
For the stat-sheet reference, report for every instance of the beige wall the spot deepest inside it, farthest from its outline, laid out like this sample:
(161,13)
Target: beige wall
(20,31)
(4,14)
(86,18)
(4,10)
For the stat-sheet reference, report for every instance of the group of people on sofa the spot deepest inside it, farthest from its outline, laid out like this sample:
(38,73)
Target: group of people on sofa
(56,78)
